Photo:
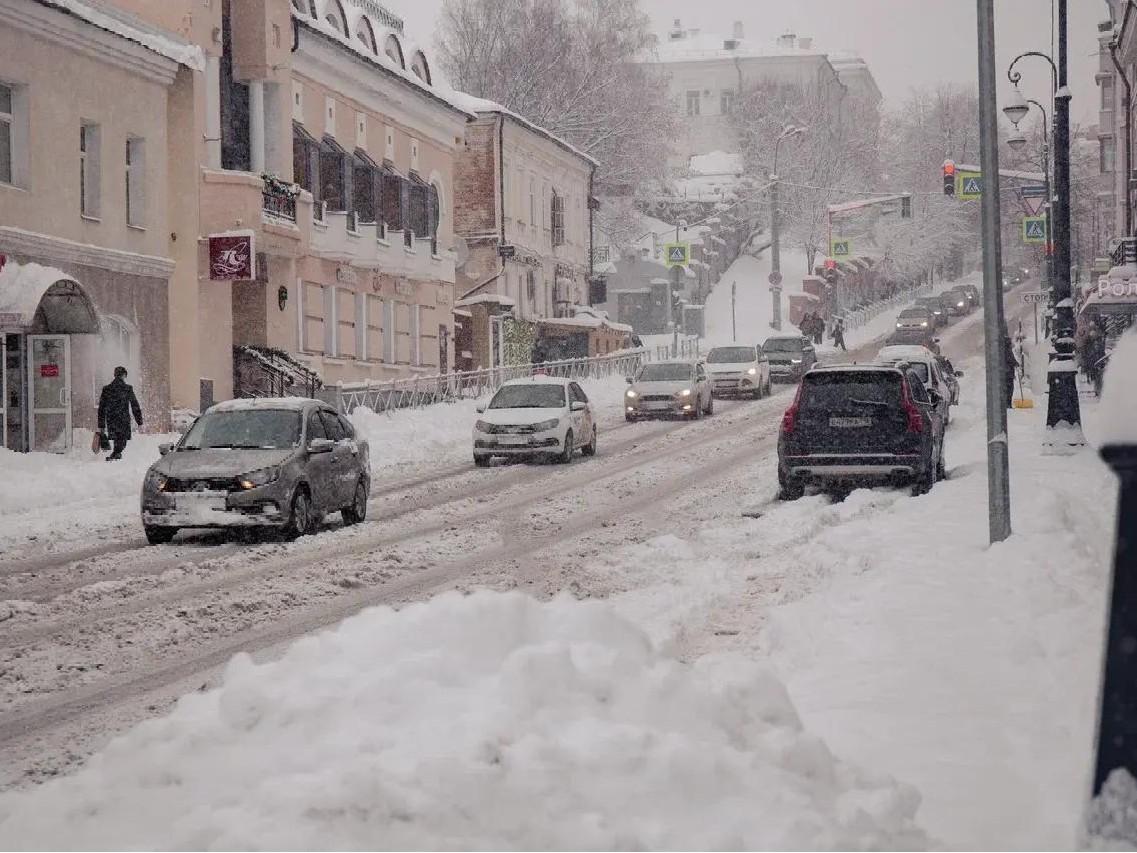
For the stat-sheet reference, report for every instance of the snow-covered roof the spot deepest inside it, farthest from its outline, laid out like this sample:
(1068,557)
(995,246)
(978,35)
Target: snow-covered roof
(24,288)
(481,106)
(107,17)
(494,298)
(357,12)
(291,404)
(697,46)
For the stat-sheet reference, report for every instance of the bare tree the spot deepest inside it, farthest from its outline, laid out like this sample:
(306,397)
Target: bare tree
(569,66)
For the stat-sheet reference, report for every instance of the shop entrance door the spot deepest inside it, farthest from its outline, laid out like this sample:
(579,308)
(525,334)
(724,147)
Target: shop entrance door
(49,389)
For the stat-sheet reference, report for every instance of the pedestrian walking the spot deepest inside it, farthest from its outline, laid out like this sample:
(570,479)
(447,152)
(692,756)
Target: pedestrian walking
(839,334)
(818,329)
(116,405)
(806,325)
(1011,364)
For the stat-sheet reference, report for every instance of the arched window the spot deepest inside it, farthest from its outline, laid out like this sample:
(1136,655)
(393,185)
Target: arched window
(336,17)
(394,51)
(365,34)
(117,345)
(420,67)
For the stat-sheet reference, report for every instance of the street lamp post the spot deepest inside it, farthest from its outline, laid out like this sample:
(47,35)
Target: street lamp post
(1063,414)
(775,241)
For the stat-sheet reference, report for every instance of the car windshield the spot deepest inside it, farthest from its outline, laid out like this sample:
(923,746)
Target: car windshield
(920,369)
(665,373)
(783,345)
(832,390)
(730,355)
(534,396)
(932,304)
(914,314)
(262,428)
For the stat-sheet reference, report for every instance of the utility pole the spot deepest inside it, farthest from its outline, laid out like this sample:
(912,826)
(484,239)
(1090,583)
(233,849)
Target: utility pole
(733,324)
(775,255)
(998,474)
(1063,413)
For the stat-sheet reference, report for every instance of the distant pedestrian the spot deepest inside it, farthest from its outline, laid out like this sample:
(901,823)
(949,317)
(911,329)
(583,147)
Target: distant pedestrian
(839,334)
(806,325)
(1011,366)
(116,404)
(818,329)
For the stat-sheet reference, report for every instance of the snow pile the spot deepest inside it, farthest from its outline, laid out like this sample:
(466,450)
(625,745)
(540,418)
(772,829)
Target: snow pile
(753,302)
(486,722)
(716,163)
(1119,394)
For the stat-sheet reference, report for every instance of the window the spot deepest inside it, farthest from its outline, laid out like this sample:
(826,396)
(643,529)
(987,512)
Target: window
(316,427)
(545,206)
(335,175)
(362,350)
(389,332)
(374,324)
(434,215)
(345,425)
(1106,158)
(346,338)
(332,426)
(726,102)
(312,329)
(394,51)
(236,152)
(416,335)
(418,213)
(330,324)
(6,121)
(391,199)
(335,17)
(365,186)
(305,159)
(135,181)
(558,216)
(577,393)
(420,67)
(693,103)
(89,172)
(365,34)
(1107,93)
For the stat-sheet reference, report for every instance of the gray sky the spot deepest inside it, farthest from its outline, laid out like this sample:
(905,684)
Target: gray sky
(905,42)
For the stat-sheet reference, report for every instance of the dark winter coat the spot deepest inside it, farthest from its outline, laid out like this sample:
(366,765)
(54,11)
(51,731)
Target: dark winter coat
(116,404)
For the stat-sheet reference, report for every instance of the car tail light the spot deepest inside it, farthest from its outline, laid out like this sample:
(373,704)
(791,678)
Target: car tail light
(915,420)
(789,419)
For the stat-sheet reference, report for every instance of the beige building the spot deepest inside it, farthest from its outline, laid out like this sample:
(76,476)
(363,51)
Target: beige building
(524,213)
(88,115)
(707,71)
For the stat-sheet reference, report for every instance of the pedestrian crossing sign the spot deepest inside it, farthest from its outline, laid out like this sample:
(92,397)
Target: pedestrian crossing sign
(841,247)
(1034,229)
(677,254)
(969,185)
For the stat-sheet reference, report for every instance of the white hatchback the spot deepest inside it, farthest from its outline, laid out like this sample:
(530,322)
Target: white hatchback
(536,416)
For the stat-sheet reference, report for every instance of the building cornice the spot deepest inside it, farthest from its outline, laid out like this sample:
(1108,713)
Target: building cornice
(82,37)
(58,250)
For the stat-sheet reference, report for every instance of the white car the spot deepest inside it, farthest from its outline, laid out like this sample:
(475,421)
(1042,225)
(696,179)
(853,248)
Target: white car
(739,370)
(537,416)
(927,367)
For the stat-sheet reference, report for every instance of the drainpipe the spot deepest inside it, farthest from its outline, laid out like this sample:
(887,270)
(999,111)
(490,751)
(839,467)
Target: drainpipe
(1127,99)
(591,248)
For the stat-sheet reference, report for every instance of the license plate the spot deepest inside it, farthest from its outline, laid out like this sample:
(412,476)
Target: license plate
(200,503)
(655,407)
(779,368)
(846,423)
(514,439)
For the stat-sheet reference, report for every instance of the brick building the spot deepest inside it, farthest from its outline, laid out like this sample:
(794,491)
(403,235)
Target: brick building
(522,206)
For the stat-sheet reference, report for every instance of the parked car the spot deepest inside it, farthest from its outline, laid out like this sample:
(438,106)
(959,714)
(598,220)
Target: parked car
(926,366)
(936,306)
(915,337)
(535,416)
(947,301)
(739,371)
(669,388)
(951,377)
(961,301)
(271,463)
(860,424)
(915,318)
(790,357)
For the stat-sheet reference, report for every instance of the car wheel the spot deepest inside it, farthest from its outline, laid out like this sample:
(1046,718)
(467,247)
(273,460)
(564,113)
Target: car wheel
(628,417)
(358,510)
(791,491)
(300,519)
(159,535)
(482,460)
(710,406)
(699,409)
(565,456)
(941,468)
(924,481)
(590,448)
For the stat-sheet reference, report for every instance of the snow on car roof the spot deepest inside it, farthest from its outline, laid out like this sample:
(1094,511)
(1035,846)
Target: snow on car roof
(852,366)
(905,351)
(538,379)
(246,403)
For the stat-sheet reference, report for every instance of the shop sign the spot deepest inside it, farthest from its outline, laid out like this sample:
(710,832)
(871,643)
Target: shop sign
(232,256)
(49,371)
(346,275)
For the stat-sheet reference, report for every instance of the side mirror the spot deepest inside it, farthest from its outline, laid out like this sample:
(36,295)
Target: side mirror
(959,373)
(578,406)
(320,445)
(481,407)
(165,448)
(629,380)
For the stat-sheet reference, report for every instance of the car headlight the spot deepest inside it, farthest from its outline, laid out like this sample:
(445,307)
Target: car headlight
(752,371)
(260,477)
(795,361)
(482,426)
(898,324)
(686,392)
(631,394)
(551,423)
(156,481)
(924,323)
(959,305)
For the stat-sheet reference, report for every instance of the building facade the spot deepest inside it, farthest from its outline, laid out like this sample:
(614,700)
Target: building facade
(87,119)
(523,210)
(1117,65)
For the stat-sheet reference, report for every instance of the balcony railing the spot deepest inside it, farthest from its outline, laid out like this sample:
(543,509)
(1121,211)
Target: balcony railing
(278,203)
(1125,252)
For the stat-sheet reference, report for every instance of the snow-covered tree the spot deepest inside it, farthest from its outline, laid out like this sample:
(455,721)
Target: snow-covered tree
(569,66)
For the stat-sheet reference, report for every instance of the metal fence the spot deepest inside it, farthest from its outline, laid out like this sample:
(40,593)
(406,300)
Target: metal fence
(418,392)
(859,316)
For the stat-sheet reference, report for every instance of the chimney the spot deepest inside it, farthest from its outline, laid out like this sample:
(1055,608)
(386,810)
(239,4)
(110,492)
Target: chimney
(805,43)
(787,40)
(737,35)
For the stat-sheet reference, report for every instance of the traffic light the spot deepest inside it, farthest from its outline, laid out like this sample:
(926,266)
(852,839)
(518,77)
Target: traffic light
(906,207)
(949,177)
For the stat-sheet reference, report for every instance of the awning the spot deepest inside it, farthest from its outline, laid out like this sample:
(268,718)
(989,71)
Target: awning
(44,300)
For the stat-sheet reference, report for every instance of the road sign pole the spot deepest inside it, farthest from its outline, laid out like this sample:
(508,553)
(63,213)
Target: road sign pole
(998,473)
(1035,309)
(775,253)
(733,324)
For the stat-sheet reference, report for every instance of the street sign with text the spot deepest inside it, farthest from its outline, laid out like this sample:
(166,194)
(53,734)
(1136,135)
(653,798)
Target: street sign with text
(969,185)
(1034,229)
(677,254)
(1034,297)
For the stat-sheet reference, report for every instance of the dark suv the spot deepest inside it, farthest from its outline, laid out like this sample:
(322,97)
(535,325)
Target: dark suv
(790,356)
(860,424)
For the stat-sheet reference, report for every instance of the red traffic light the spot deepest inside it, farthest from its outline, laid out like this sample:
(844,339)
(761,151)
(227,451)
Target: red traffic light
(830,264)
(949,167)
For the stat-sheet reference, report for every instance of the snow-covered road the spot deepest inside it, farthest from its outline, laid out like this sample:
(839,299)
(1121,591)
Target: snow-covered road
(674,523)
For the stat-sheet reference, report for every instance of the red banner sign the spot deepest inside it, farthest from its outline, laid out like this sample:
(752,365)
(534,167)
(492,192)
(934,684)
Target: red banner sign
(232,257)
(49,371)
